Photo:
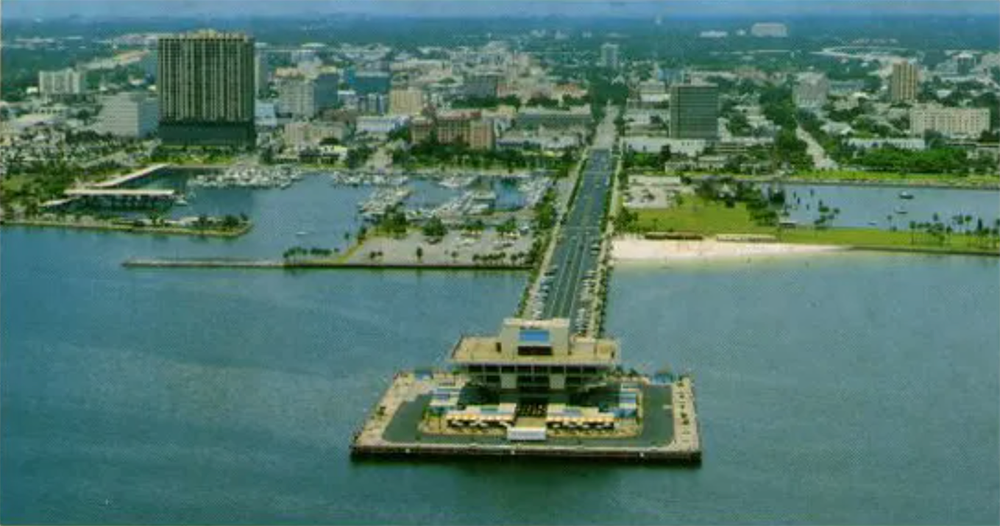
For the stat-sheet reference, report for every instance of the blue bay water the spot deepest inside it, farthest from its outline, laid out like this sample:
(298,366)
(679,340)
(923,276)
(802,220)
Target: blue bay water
(879,206)
(855,388)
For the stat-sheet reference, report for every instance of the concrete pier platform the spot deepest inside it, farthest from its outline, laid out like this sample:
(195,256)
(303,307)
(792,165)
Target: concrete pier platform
(670,429)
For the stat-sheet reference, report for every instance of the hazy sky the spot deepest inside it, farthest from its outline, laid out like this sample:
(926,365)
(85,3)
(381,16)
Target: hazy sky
(19,9)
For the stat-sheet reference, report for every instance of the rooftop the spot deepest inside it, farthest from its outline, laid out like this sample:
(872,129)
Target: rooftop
(583,351)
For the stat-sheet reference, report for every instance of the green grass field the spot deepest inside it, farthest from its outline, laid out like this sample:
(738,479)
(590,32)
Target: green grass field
(700,216)
(899,240)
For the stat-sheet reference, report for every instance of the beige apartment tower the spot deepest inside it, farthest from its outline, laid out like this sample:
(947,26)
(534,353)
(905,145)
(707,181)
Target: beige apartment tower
(903,82)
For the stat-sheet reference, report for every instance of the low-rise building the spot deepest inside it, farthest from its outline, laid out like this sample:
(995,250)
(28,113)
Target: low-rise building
(62,82)
(380,125)
(648,144)
(538,139)
(811,90)
(902,144)
(301,134)
(304,97)
(409,101)
(951,122)
(554,118)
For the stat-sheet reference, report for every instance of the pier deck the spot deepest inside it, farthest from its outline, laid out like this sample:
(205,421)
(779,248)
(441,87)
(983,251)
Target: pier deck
(669,429)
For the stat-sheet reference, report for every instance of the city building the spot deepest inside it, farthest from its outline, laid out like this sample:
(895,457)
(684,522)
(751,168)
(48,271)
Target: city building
(365,82)
(769,29)
(713,34)
(609,56)
(694,111)
(130,114)
(148,63)
(481,135)
(455,126)
(373,104)
(481,85)
(262,75)
(540,139)
(265,114)
(554,118)
(305,134)
(205,82)
(903,82)
(409,101)
(965,62)
(811,90)
(304,97)
(846,87)
(421,129)
(951,122)
(913,144)
(380,125)
(62,82)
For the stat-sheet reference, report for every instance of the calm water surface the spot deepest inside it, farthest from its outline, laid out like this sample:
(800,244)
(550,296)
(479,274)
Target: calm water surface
(879,207)
(858,389)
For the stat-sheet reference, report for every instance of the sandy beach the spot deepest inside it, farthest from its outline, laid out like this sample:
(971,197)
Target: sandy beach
(638,249)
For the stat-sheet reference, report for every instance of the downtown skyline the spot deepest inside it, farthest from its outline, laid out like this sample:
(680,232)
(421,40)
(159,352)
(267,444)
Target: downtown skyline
(119,9)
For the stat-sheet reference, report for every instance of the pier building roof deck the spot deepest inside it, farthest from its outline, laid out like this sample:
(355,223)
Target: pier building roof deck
(583,351)
(535,342)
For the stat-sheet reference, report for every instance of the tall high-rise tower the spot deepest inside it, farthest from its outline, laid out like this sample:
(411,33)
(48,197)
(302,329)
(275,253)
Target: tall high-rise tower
(205,82)
(609,56)
(903,82)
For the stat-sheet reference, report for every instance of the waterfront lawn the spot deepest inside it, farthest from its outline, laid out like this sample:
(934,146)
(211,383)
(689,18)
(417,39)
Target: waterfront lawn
(897,240)
(696,215)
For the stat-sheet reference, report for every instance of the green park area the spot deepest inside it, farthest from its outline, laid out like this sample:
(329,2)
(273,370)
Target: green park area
(698,215)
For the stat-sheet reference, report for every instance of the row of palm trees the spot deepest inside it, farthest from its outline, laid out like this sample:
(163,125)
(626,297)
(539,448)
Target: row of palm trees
(979,232)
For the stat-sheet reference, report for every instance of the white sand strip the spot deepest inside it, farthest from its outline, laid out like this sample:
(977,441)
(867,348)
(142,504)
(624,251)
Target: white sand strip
(637,249)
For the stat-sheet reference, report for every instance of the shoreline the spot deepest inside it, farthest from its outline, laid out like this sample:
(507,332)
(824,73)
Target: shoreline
(805,180)
(221,263)
(128,229)
(659,251)
(637,250)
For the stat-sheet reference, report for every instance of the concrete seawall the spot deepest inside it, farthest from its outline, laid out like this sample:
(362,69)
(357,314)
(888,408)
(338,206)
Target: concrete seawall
(280,264)
(375,440)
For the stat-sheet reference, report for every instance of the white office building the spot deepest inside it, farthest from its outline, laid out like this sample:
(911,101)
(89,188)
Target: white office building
(609,56)
(62,82)
(951,122)
(304,97)
(131,114)
(811,90)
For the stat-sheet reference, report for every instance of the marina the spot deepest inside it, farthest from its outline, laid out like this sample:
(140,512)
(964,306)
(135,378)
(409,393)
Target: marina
(249,176)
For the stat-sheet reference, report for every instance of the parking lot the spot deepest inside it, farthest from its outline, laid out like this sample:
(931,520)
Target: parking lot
(455,247)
